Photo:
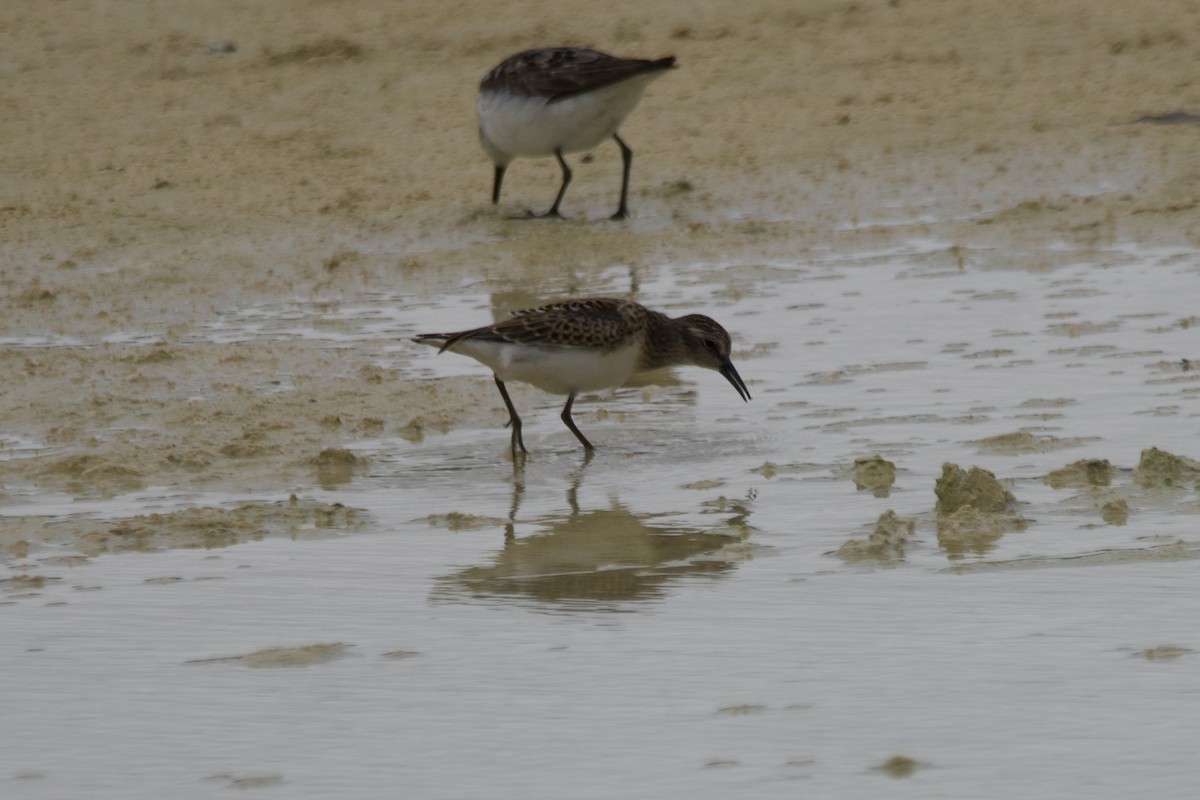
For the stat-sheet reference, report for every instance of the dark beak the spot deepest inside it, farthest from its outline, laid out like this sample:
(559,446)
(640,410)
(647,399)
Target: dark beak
(732,376)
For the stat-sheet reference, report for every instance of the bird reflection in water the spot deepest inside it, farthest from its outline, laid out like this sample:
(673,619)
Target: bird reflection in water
(599,558)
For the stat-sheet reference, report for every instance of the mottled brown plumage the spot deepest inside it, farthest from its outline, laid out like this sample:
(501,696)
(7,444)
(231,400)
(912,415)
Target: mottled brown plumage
(558,72)
(598,322)
(588,344)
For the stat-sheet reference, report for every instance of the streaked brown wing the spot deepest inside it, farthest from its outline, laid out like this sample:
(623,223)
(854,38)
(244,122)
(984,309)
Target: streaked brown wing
(558,72)
(595,322)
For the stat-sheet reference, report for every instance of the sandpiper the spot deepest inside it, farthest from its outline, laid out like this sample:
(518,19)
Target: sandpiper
(587,345)
(555,100)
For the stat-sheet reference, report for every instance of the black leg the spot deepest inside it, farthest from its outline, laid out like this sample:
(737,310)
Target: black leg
(497,179)
(570,423)
(566,173)
(627,162)
(517,441)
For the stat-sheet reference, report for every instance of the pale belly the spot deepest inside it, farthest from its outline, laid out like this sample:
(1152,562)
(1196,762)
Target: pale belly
(558,370)
(517,126)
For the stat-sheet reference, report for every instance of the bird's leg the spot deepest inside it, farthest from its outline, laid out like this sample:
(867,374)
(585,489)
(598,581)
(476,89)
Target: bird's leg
(570,423)
(627,163)
(562,190)
(497,179)
(514,420)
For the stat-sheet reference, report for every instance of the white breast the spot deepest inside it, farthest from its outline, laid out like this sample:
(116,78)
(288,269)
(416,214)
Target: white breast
(558,370)
(514,126)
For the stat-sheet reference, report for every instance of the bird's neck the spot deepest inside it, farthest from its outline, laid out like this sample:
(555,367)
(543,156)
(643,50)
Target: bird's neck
(664,342)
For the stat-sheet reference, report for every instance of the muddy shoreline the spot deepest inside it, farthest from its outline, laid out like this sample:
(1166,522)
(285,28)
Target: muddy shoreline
(163,170)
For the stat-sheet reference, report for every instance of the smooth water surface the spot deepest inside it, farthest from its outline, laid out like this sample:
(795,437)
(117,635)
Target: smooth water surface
(669,617)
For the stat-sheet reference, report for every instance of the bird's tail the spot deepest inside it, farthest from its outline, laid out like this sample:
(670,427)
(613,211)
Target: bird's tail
(439,340)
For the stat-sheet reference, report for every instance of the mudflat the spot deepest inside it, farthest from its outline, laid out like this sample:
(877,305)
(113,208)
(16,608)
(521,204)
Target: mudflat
(166,165)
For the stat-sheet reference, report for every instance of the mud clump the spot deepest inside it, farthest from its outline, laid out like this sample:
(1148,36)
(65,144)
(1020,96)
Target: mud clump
(1092,475)
(885,544)
(874,473)
(1158,468)
(1164,652)
(973,510)
(245,450)
(335,466)
(1085,472)
(88,472)
(335,457)
(976,488)
(1018,442)
(210,528)
(1115,512)
(1021,442)
(898,766)
(25,583)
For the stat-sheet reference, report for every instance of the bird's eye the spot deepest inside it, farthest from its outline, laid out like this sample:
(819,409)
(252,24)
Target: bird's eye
(710,345)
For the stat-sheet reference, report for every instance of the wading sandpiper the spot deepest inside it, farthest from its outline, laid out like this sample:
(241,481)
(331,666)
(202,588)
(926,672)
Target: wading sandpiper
(587,345)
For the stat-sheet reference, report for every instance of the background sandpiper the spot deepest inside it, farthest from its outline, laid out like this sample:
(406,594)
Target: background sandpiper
(555,100)
(586,345)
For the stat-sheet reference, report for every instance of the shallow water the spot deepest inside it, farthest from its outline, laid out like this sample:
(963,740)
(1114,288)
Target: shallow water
(669,617)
